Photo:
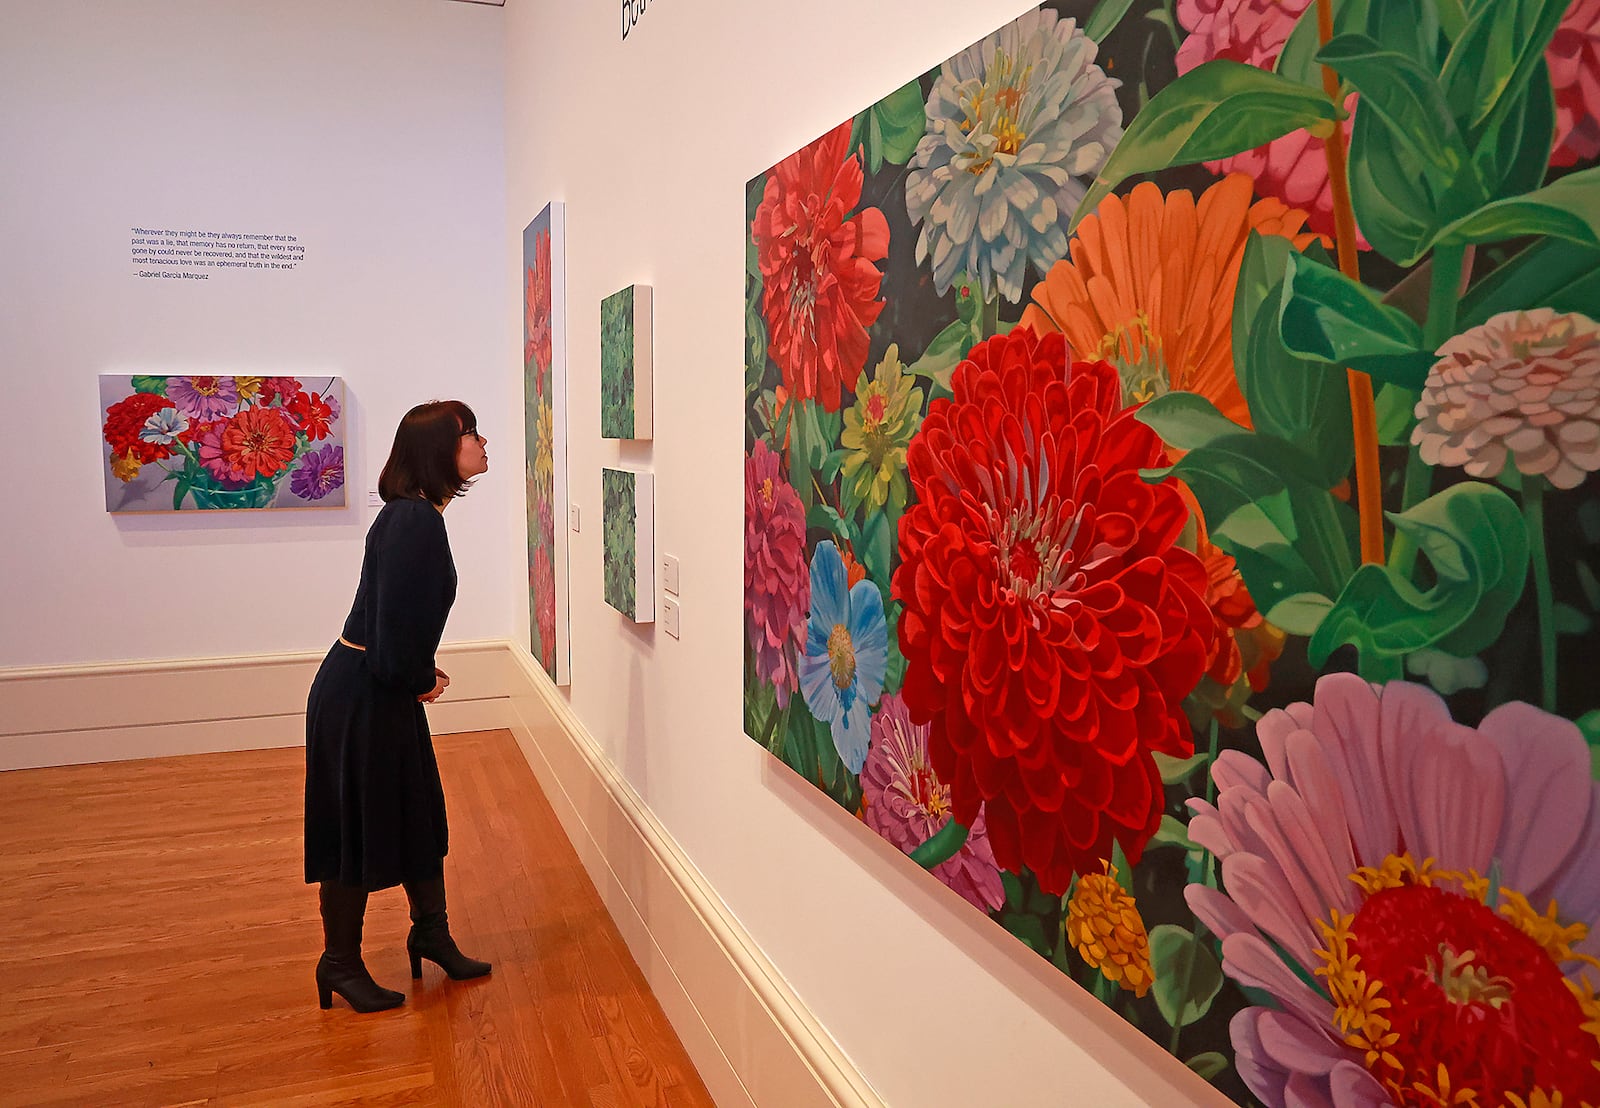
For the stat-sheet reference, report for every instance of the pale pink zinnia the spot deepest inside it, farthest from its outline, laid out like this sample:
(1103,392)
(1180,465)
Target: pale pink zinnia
(1574,59)
(906,803)
(777,583)
(1440,886)
(1524,385)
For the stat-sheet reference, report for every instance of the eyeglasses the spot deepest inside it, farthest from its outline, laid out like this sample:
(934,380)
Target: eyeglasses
(474,433)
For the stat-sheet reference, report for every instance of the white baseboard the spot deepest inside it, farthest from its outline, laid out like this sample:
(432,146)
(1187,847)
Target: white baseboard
(753,1040)
(112,712)
(750,1037)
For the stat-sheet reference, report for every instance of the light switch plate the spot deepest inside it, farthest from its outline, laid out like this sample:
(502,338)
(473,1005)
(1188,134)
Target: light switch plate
(669,615)
(669,573)
(572,514)
(373,499)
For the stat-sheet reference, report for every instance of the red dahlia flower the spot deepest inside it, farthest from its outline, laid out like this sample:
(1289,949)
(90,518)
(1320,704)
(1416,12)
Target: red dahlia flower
(123,421)
(312,414)
(536,309)
(1051,629)
(820,267)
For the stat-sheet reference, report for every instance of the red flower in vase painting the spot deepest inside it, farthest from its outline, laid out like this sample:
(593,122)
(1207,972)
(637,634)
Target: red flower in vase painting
(820,267)
(1052,628)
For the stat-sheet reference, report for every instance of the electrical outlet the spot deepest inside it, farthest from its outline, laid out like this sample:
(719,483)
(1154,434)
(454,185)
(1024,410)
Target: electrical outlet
(669,573)
(572,514)
(669,616)
(373,499)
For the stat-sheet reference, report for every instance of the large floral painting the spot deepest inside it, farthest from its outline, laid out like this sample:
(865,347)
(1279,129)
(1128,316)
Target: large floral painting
(1170,519)
(544,392)
(183,443)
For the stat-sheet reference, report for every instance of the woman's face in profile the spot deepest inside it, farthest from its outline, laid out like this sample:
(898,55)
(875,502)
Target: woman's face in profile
(471,456)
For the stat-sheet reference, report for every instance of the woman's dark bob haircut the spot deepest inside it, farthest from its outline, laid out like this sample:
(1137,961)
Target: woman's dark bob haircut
(422,462)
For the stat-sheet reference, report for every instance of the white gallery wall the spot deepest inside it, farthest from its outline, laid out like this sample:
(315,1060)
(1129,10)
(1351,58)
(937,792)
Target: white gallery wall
(650,141)
(371,130)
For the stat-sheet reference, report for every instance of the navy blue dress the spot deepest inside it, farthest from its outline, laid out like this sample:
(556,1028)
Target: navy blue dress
(375,814)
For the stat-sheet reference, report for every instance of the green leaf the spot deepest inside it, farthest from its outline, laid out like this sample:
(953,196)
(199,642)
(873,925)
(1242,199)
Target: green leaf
(1391,206)
(1397,414)
(1176,770)
(944,353)
(877,543)
(1172,832)
(1512,157)
(1408,27)
(1187,976)
(1187,420)
(1493,59)
(180,490)
(1474,537)
(890,130)
(1326,315)
(1552,273)
(1566,209)
(1107,14)
(1209,1065)
(822,515)
(1407,97)
(1300,614)
(1216,110)
(156,386)
(1301,400)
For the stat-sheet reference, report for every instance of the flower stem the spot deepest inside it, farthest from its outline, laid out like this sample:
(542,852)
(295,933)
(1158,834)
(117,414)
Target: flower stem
(1363,408)
(989,318)
(941,847)
(1533,513)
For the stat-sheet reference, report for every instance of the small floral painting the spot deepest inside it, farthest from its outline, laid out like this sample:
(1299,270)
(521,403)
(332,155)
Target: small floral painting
(626,359)
(1171,521)
(628,542)
(195,442)
(544,397)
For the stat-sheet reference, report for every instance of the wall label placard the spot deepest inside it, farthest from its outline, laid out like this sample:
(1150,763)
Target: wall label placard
(194,255)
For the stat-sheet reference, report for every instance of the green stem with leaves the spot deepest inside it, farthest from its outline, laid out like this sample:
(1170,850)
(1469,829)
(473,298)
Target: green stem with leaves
(1533,513)
(941,847)
(1444,295)
(989,318)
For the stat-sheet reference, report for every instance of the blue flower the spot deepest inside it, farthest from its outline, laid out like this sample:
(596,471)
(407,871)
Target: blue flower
(164,426)
(847,652)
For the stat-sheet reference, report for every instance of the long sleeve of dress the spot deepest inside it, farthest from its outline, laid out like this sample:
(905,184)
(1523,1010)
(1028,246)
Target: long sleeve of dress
(409,593)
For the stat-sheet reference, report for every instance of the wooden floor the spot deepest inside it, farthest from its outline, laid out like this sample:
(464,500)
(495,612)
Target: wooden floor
(157,946)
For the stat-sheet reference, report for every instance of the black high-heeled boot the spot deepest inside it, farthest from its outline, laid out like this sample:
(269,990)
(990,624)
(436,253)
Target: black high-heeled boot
(430,933)
(341,969)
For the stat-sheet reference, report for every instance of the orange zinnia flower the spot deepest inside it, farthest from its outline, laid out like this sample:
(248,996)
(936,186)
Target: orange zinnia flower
(1149,287)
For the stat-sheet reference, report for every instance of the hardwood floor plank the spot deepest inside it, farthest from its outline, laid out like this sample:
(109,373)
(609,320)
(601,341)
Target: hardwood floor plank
(162,943)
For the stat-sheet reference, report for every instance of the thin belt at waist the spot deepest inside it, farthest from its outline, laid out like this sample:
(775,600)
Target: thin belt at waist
(351,645)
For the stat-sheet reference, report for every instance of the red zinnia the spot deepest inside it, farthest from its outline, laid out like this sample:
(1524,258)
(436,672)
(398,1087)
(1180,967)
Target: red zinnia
(536,309)
(1051,629)
(126,417)
(820,268)
(777,584)
(311,414)
(257,442)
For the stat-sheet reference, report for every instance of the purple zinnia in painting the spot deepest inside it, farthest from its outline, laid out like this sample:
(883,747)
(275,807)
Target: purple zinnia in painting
(204,399)
(1440,885)
(777,585)
(319,473)
(906,803)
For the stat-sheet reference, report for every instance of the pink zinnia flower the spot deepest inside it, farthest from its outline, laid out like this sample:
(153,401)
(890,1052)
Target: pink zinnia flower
(542,583)
(907,804)
(204,398)
(1524,386)
(777,583)
(1439,883)
(1574,58)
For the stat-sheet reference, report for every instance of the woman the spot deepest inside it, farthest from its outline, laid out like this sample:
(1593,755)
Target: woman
(375,813)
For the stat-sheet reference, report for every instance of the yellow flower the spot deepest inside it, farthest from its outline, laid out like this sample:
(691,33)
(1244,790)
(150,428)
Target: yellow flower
(248,386)
(544,448)
(125,467)
(877,430)
(1103,923)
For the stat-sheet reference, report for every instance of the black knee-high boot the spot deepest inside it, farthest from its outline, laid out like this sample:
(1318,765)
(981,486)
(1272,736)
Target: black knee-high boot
(430,933)
(341,969)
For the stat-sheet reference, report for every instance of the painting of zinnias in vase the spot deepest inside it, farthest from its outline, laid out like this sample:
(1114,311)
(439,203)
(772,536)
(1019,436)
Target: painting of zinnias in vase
(183,443)
(1171,521)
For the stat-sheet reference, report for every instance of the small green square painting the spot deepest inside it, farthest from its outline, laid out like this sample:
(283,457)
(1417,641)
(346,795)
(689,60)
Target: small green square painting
(628,541)
(1171,520)
(181,443)
(625,365)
